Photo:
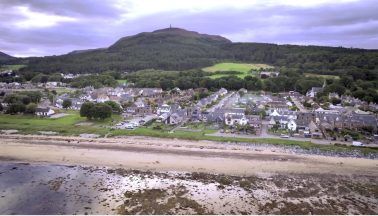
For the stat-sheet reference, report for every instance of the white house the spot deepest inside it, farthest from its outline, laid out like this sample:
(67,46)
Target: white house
(102,98)
(231,120)
(44,111)
(291,125)
(165,108)
(274,113)
(163,117)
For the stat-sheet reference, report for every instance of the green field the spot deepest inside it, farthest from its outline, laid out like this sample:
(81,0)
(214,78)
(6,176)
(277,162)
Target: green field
(244,69)
(73,124)
(321,76)
(66,125)
(123,81)
(11,67)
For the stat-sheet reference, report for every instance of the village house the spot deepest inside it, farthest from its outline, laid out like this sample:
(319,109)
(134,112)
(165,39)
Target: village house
(75,102)
(163,117)
(213,117)
(333,95)
(304,118)
(314,131)
(195,113)
(360,121)
(174,118)
(164,108)
(233,119)
(44,111)
(55,84)
(291,125)
(151,92)
(314,91)
(255,122)
(267,74)
(139,107)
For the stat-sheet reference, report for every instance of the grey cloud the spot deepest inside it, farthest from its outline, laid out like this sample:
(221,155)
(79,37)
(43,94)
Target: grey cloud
(92,8)
(350,24)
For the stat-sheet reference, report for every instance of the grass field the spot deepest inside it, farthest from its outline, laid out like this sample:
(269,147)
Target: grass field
(66,125)
(243,69)
(11,67)
(123,81)
(321,76)
(69,125)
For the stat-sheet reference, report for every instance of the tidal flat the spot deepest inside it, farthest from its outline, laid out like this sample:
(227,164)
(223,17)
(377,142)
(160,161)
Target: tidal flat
(31,188)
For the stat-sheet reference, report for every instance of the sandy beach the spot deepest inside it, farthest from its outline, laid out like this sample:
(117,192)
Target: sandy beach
(142,175)
(156,154)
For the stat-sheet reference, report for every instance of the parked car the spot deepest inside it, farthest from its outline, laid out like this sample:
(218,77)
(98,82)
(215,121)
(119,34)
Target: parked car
(284,136)
(356,143)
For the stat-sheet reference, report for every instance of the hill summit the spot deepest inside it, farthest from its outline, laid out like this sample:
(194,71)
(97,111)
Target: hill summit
(169,48)
(5,57)
(180,49)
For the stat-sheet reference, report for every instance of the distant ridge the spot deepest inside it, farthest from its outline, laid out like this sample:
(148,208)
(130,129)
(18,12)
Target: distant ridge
(180,49)
(4,56)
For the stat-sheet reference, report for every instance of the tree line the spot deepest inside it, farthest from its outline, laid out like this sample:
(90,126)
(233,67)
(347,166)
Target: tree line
(22,102)
(363,87)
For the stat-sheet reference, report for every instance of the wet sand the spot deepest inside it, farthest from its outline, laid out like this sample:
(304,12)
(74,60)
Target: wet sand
(176,155)
(56,189)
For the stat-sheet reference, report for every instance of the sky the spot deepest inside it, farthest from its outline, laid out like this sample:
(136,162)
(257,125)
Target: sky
(54,27)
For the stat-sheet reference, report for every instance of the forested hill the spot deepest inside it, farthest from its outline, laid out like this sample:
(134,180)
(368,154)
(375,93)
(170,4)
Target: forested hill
(5,57)
(179,49)
(170,48)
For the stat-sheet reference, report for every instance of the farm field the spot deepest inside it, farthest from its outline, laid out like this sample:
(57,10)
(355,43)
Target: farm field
(243,69)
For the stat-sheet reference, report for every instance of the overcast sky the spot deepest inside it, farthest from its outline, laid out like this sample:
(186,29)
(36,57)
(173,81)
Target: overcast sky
(53,27)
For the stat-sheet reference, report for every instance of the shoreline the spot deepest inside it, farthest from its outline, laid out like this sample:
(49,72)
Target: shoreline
(59,189)
(161,155)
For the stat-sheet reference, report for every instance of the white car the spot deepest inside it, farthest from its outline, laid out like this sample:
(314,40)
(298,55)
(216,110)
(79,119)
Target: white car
(355,143)
(284,136)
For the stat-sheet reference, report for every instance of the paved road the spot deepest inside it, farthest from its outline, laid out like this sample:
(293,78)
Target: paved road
(316,141)
(222,102)
(299,104)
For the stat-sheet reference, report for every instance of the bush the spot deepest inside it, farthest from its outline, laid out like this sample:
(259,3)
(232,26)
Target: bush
(95,111)
(67,103)
(115,106)
(157,127)
(31,108)
(85,110)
